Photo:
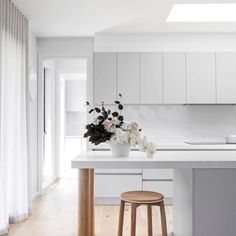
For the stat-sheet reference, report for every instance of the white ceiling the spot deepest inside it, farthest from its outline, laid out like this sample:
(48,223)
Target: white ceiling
(87,17)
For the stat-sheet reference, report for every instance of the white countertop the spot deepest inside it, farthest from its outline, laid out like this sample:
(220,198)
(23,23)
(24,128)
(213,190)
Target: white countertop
(186,146)
(180,146)
(162,159)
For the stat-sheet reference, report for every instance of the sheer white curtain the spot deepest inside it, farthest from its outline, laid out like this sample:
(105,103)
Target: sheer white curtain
(13,126)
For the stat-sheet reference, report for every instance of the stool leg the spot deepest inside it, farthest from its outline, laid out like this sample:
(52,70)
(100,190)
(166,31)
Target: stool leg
(133,219)
(163,219)
(121,218)
(149,218)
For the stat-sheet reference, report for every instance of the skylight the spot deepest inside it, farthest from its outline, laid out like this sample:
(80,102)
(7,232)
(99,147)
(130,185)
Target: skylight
(203,13)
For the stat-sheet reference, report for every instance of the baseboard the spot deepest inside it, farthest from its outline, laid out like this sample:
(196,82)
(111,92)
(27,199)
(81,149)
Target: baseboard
(47,189)
(35,195)
(51,186)
(116,201)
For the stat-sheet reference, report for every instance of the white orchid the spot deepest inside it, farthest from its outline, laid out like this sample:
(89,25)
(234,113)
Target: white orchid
(148,147)
(120,137)
(134,139)
(151,149)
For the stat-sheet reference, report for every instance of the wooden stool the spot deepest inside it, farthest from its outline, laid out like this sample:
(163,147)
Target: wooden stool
(137,198)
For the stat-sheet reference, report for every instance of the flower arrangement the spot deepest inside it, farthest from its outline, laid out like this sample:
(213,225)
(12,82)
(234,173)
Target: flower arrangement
(111,127)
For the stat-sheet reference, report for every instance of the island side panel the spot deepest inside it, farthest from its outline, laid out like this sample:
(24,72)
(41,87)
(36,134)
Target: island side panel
(214,202)
(182,202)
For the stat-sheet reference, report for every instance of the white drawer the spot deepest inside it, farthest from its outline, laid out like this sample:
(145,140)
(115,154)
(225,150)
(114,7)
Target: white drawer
(164,187)
(157,174)
(114,185)
(119,171)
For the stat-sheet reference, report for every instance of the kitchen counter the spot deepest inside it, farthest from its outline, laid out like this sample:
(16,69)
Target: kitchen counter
(187,146)
(162,159)
(204,187)
(181,146)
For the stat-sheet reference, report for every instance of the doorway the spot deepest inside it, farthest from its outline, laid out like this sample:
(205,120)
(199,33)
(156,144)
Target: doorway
(64,117)
(73,118)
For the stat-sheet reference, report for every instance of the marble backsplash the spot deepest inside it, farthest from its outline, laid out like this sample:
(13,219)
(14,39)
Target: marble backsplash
(171,123)
(183,122)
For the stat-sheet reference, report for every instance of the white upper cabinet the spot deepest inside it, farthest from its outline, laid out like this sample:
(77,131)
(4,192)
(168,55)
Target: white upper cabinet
(151,78)
(200,72)
(165,78)
(104,78)
(128,77)
(226,77)
(174,77)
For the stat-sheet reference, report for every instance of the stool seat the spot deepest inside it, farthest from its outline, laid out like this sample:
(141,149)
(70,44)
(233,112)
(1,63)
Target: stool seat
(136,199)
(142,197)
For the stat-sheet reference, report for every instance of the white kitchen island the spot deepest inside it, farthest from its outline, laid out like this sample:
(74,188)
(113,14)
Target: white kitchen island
(204,188)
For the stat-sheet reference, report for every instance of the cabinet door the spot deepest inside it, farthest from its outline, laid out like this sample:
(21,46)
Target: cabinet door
(226,77)
(114,185)
(118,171)
(174,77)
(164,187)
(200,72)
(128,77)
(104,78)
(151,78)
(157,174)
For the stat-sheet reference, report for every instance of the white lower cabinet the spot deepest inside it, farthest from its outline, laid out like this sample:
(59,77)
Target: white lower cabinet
(111,186)
(119,171)
(157,174)
(164,187)
(158,180)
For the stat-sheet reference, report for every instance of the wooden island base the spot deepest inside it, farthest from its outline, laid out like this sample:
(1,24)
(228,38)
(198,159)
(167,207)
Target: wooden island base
(86,203)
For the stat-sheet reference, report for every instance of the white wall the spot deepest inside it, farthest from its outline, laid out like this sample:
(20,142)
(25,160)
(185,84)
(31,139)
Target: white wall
(71,65)
(33,53)
(105,42)
(68,47)
(76,46)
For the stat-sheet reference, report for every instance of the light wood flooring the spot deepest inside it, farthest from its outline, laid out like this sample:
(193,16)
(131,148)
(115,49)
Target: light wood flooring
(55,214)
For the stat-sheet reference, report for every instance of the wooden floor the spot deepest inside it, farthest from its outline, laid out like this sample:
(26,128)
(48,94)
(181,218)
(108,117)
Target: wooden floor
(55,214)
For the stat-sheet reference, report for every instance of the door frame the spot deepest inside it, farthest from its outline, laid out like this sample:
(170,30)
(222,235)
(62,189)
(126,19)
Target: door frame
(48,65)
(40,101)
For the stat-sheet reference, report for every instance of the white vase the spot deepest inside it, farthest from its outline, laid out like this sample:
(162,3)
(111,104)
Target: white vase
(120,150)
